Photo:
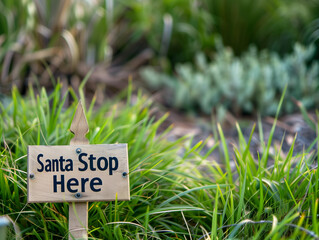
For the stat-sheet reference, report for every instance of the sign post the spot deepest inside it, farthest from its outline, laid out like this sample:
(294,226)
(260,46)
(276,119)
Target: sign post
(78,173)
(78,212)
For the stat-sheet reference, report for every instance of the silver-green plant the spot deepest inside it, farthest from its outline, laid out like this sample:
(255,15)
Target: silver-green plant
(250,83)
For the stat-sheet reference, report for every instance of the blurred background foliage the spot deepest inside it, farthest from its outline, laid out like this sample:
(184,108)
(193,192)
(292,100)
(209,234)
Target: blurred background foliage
(273,24)
(250,84)
(41,40)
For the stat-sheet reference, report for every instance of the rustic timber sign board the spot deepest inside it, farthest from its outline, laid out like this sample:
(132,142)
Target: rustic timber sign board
(78,173)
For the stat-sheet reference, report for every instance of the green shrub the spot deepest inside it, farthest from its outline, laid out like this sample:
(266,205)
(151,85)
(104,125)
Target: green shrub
(175,26)
(45,38)
(248,84)
(177,29)
(271,24)
(16,20)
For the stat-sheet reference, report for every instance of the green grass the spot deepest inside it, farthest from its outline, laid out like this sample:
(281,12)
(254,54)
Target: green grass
(175,192)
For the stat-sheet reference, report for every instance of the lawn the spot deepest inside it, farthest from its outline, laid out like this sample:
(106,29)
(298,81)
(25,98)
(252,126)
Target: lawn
(175,191)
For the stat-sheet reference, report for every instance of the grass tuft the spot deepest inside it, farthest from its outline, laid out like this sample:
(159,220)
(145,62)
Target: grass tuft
(175,191)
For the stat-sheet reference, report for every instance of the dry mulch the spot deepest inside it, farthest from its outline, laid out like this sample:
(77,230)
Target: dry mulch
(287,128)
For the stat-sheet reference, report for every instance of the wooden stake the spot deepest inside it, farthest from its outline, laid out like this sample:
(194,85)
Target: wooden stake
(78,212)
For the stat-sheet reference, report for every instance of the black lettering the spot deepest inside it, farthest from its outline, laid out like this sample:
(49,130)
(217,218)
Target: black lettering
(55,165)
(61,160)
(95,182)
(83,181)
(55,183)
(99,163)
(48,166)
(84,162)
(116,165)
(41,164)
(70,183)
(69,165)
(91,158)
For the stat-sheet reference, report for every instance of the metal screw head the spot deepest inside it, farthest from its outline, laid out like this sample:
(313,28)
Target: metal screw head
(78,150)
(77,195)
(124,174)
(31,176)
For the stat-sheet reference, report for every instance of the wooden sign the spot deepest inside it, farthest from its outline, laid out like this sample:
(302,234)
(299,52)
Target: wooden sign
(78,173)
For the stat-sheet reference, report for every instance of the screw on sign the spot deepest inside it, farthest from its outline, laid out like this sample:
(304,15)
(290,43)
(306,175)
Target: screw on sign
(78,173)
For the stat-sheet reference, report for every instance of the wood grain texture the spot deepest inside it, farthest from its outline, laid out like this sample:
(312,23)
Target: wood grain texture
(79,127)
(113,186)
(78,212)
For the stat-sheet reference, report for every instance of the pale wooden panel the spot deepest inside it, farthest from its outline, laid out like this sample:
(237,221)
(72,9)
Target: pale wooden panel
(78,220)
(40,187)
(78,212)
